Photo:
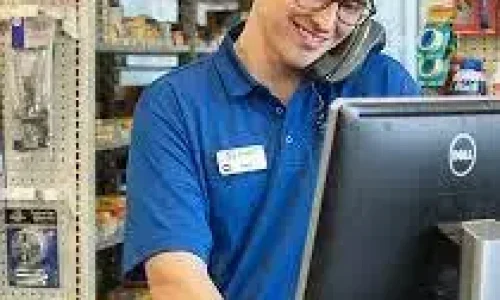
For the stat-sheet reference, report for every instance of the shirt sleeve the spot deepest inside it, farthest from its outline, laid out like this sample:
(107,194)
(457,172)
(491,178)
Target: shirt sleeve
(383,76)
(403,83)
(167,209)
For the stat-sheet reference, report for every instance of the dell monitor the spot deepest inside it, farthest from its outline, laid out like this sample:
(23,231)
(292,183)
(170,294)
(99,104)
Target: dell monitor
(392,170)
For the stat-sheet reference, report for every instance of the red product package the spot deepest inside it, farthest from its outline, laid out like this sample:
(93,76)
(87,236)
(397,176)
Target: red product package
(476,17)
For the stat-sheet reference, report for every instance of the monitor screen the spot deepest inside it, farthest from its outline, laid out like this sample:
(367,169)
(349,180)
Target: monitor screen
(391,171)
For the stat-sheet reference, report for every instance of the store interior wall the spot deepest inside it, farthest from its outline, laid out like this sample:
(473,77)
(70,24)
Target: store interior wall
(401,18)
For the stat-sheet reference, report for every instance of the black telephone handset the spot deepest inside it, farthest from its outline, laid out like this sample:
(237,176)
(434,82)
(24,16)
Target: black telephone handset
(338,63)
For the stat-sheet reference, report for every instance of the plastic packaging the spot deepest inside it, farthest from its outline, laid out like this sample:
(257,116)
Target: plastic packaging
(495,80)
(2,169)
(436,45)
(470,79)
(442,13)
(29,80)
(32,248)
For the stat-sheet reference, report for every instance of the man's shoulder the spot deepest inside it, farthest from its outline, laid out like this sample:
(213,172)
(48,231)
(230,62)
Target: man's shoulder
(382,75)
(185,90)
(188,75)
(380,61)
(184,86)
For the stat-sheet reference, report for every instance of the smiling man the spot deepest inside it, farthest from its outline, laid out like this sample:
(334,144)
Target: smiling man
(225,153)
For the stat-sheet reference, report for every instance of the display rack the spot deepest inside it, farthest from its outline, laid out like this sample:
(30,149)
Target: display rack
(127,60)
(150,49)
(115,143)
(485,47)
(112,240)
(59,177)
(481,45)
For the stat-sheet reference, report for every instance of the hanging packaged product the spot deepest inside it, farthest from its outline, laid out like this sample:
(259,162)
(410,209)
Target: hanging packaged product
(436,45)
(476,17)
(29,63)
(495,87)
(3,176)
(470,79)
(32,247)
(442,12)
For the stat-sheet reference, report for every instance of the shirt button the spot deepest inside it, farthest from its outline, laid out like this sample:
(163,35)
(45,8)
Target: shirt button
(279,110)
(289,139)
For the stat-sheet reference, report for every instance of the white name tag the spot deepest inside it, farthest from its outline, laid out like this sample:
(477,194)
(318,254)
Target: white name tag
(241,160)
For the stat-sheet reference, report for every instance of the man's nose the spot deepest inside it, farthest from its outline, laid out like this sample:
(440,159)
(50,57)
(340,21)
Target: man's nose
(326,19)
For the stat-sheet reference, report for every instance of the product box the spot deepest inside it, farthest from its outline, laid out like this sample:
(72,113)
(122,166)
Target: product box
(161,10)
(32,248)
(476,17)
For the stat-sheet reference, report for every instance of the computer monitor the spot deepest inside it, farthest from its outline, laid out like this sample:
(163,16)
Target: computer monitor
(392,169)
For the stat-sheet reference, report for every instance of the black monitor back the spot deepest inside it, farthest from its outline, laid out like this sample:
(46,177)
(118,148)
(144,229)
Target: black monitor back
(395,171)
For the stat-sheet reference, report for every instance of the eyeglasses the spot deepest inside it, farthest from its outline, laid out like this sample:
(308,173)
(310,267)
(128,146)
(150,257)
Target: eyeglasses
(351,13)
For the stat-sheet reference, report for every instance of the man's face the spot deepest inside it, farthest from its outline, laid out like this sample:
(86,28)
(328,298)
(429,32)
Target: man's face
(296,37)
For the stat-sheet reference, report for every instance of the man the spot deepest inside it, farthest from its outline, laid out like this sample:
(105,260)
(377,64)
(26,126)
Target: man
(225,153)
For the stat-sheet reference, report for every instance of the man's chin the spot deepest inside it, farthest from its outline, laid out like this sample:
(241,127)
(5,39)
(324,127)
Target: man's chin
(309,57)
(305,61)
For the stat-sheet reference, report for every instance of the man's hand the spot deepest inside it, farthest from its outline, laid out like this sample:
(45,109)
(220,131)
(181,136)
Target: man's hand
(179,276)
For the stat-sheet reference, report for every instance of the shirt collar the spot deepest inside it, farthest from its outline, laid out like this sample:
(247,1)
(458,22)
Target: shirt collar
(235,77)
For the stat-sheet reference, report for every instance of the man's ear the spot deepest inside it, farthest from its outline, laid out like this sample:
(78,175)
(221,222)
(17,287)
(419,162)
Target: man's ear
(338,63)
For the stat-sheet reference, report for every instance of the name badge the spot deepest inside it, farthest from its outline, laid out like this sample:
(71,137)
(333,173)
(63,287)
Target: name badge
(241,160)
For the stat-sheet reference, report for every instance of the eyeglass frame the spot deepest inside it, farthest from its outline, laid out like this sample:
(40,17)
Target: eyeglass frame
(370,8)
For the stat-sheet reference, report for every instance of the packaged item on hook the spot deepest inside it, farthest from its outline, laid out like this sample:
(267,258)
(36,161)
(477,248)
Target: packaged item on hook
(470,79)
(495,82)
(3,176)
(29,81)
(476,17)
(34,227)
(32,247)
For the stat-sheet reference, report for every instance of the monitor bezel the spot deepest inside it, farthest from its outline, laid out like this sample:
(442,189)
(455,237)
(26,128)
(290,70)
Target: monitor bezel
(354,108)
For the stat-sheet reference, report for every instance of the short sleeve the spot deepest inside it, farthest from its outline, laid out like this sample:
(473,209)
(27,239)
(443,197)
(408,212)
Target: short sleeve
(383,76)
(404,84)
(166,207)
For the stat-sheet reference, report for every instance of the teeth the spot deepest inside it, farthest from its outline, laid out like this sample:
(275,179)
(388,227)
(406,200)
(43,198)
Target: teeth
(310,37)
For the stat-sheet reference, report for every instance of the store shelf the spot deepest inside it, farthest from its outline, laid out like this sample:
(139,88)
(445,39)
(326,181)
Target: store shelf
(150,49)
(144,69)
(112,240)
(112,133)
(110,145)
(140,75)
(70,26)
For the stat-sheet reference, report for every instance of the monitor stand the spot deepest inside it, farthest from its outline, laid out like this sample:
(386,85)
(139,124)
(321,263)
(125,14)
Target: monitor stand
(478,273)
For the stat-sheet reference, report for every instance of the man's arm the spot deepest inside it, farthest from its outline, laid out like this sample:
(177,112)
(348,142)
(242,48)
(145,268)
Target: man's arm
(167,207)
(180,276)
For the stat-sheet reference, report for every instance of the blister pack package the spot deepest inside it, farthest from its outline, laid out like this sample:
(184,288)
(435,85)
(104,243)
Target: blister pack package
(32,247)
(29,80)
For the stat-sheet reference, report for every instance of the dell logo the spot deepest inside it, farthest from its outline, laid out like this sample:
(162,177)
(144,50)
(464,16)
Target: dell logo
(463,154)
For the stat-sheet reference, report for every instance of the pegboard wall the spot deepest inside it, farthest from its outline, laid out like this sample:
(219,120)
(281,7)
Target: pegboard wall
(485,47)
(59,177)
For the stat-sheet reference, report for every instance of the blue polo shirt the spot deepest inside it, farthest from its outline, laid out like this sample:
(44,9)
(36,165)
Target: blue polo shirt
(248,227)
